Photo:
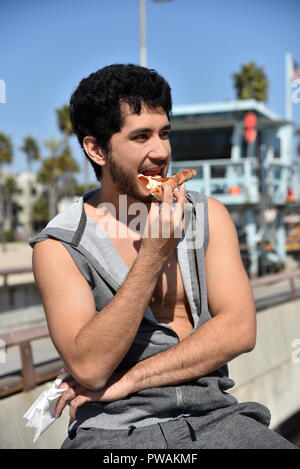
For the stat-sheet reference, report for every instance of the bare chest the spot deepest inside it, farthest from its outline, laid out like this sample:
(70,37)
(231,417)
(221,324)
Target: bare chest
(168,303)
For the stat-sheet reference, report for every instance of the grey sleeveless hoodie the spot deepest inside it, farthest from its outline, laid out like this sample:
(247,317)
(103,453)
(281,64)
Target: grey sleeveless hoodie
(101,265)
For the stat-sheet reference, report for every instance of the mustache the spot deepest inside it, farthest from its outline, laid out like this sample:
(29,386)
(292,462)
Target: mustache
(154,167)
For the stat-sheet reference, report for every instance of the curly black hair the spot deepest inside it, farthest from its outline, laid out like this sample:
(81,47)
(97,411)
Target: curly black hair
(95,106)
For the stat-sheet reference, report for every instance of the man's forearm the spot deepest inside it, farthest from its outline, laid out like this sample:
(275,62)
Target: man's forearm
(103,342)
(215,343)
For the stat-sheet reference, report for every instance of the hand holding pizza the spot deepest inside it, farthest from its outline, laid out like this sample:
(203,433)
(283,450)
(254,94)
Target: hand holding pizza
(154,183)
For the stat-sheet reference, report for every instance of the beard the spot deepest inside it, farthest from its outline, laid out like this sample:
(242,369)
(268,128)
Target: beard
(125,181)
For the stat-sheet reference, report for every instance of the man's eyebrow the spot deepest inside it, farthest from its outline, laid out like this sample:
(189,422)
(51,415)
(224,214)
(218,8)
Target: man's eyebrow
(141,130)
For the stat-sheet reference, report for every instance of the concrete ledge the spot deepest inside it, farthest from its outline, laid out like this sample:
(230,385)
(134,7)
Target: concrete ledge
(16,435)
(268,374)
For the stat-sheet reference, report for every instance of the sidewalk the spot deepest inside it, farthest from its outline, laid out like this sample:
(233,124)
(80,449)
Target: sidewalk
(18,254)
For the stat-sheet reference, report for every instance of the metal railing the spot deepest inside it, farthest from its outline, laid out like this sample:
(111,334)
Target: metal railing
(240,180)
(34,374)
(12,271)
(31,374)
(275,278)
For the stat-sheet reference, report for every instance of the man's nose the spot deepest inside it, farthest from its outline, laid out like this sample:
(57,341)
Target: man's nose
(160,149)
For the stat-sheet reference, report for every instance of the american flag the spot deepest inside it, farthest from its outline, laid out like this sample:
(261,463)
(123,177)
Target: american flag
(296,71)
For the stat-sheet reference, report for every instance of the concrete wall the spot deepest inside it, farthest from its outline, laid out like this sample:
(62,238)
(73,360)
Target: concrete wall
(270,374)
(15,435)
(267,375)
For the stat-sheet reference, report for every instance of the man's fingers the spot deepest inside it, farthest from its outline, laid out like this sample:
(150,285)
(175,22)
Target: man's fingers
(77,402)
(63,401)
(164,219)
(168,194)
(179,206)
(67,383)
(180,194)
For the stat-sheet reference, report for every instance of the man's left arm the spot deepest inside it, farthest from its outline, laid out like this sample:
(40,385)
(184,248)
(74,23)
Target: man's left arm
(232,329)
(230,332)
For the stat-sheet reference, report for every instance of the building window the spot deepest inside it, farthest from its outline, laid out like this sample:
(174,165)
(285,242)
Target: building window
(201,144)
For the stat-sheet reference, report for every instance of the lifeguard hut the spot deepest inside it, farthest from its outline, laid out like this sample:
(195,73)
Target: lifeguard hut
(243,155)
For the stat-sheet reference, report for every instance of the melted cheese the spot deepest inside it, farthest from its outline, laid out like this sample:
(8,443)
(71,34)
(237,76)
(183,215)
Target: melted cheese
(152,184)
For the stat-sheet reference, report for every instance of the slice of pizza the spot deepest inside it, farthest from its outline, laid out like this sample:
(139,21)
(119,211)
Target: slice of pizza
(154,183)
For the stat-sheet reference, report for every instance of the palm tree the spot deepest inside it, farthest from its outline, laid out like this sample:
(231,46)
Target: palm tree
(68,167)
(31,150)
(40,214)
(10,187)
(6,156)
(65,126)
(251,82)
(50,173)
(64,122)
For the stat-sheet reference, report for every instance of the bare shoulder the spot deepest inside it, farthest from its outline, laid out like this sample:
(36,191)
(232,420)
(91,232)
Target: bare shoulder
(227,282)
(55,271)
(221,225)
(215,204)
(48,245)
(66,295)
(50,255)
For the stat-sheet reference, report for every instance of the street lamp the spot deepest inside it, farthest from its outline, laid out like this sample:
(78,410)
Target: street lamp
(143,48)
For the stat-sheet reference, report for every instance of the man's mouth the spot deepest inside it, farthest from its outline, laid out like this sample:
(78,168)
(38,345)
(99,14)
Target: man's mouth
(153,171)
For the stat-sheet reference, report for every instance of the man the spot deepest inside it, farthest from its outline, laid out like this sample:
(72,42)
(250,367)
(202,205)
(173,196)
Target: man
(145,325)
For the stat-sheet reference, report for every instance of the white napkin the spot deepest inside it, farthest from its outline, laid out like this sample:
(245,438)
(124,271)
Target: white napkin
(42,412)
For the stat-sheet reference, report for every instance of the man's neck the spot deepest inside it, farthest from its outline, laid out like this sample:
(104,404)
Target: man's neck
(120,201)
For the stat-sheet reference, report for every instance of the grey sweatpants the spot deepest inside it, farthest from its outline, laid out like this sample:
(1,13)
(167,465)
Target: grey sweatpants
(239,426)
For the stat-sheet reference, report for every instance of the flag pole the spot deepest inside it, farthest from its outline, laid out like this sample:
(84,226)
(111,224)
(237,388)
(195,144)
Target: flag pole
(143,49)
(289,65)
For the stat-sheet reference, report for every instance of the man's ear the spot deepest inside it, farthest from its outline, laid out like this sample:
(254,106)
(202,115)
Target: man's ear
(94,151)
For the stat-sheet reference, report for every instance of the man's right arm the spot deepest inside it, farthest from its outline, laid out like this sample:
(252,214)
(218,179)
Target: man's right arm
(92,345)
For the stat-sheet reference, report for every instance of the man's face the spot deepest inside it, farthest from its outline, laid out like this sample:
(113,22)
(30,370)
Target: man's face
(141,146)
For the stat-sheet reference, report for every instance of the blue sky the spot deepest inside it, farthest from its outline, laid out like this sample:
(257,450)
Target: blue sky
(47,47)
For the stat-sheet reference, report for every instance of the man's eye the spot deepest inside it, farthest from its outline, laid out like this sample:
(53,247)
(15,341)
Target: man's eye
(165,134)
(141,137)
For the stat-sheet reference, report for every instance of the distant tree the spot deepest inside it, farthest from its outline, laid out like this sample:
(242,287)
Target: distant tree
(40,214)
(80,188)
(68,167)
(31,150)
(64,122)
(251,82)
(6,156)
(6,149)
(50,172)
(65,126)
(10,187)
(69,163)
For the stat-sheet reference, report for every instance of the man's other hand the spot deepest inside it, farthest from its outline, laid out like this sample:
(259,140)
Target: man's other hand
(118,387)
